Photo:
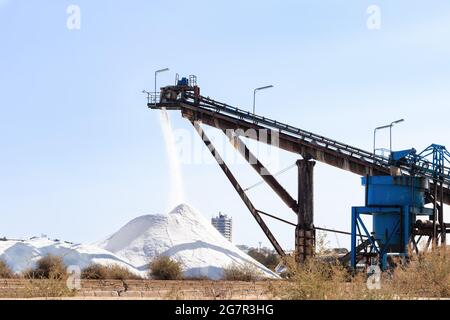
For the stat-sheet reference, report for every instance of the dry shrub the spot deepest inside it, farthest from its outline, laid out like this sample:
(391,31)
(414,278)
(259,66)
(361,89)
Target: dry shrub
(320,280)
(52,287)
(425,276)
(48,267)
(245,272)
(95,272)
(110,272)
(165,268)
(5,271)
(48,279)
(116,272)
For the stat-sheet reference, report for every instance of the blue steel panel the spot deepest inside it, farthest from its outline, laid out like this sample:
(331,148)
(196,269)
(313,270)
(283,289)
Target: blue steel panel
(395,191)
(399,155)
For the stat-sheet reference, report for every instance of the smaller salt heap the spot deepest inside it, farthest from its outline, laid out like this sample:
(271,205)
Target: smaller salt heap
(23,255)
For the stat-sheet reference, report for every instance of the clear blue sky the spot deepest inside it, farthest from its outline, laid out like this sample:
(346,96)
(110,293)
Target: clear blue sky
(81,154)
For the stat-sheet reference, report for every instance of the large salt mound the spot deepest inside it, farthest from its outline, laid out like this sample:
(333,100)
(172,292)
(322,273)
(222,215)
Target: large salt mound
(22,255)
(184,235)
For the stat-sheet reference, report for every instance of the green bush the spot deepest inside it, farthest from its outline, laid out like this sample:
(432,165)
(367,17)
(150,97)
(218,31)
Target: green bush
(165,268)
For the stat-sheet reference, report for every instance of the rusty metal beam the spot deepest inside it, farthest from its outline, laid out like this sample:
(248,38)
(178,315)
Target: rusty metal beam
(239,189)
(285,142)
(265,174)
(328,151)
(289,143)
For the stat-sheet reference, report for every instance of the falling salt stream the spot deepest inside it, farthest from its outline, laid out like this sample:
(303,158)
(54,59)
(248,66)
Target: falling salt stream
(176,179)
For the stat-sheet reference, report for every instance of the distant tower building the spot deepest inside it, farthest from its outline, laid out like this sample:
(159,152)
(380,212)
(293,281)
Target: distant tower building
(224,225)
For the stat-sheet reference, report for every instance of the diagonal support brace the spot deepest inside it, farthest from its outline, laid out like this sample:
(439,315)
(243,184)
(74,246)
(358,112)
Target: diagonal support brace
(239,189)
(240,146)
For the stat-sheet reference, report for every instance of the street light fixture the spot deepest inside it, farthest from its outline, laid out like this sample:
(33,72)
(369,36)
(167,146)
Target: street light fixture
(156,74)
(148,96)
(390,134)
(254,95)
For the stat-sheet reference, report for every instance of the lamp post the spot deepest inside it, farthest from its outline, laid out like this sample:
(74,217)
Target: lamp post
(156,74)
(390,134)
(254,95)
(148,97)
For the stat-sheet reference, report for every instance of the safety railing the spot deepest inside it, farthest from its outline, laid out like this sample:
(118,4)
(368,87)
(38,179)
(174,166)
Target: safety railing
(154,98)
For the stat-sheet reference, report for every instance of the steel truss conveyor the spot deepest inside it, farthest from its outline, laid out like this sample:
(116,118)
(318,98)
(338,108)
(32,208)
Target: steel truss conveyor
(309,145)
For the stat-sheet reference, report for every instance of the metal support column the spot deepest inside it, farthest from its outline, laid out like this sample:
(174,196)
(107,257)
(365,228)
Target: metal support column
(353,250)
(305,237)
(435,215)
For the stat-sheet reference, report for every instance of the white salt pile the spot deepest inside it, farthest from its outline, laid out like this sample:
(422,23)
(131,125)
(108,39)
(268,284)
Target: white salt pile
(22,255)
(184,235)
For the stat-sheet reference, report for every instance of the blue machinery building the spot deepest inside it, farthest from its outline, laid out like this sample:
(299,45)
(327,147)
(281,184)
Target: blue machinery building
(405,193)
(396,204)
